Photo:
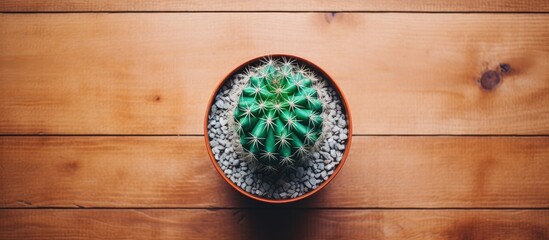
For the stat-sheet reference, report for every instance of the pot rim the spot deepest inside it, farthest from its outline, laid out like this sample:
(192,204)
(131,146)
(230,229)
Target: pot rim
(347,145)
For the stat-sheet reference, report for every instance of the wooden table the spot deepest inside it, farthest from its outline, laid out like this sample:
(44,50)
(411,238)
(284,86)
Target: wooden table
(102,103)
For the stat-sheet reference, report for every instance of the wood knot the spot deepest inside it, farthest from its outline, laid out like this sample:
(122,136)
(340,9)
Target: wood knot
(157,98)
(71,166)
(489,80)
(504,68)
(329,17)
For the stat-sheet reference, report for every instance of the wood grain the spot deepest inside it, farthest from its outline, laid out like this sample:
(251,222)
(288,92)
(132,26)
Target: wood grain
(280,5)
(279,223)
(385,172)
(154,73)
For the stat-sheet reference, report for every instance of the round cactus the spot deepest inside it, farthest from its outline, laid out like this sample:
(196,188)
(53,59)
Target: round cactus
(278,115)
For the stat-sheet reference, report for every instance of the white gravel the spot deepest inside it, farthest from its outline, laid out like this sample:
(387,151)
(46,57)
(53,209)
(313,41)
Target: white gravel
(317,168)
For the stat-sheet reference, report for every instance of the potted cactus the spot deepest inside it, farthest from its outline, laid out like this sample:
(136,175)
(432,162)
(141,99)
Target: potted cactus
(277,128)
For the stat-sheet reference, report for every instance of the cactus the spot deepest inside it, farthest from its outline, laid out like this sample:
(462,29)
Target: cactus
(278,116)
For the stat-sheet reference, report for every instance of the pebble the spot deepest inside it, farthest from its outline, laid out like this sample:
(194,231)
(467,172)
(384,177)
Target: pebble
(331,143)
(219,104)
(323,174)
(326,156)
(321,166)
(222,121)
(266,186)
(249,181)
(325,148)
(225,143)
(286,186)
(299,172)
(316,155)
(341,123)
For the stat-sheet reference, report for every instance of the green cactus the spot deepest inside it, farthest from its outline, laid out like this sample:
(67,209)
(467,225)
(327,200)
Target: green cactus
(278,115)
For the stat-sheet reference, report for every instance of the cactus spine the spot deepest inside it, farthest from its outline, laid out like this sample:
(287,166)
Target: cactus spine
(278,115)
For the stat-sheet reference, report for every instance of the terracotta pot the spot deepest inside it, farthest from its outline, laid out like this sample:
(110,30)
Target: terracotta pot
(333,85)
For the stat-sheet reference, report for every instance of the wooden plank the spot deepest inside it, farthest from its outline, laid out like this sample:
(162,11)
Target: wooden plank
(280,223)
(281,5)
(386,172)
(153,73)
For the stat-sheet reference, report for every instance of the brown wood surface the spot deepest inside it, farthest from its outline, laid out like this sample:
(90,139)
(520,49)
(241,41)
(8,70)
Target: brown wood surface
(381,172)
(275,224)
(141,72)
(279,5)
(152,73)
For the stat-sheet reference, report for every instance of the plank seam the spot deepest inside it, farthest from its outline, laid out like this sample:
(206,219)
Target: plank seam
(268,11)
(277,207)
(202,135)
